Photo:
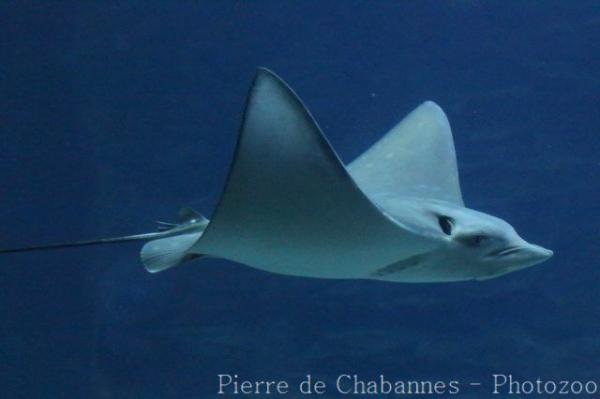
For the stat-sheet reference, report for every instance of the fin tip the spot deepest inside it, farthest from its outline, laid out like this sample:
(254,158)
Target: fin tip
(262,72)
(434,113)
(432,105)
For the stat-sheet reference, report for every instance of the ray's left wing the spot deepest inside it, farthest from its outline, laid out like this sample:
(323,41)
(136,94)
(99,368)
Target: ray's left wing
(290,206)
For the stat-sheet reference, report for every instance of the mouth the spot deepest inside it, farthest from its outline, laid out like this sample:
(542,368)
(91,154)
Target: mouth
(528,252)
(504,251)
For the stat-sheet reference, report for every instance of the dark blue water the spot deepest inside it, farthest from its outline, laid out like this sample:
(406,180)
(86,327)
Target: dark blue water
(113,115)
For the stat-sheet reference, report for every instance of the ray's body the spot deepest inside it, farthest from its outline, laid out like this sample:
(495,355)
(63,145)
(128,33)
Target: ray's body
(290,206)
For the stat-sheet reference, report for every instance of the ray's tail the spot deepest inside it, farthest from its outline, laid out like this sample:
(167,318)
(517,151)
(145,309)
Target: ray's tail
(169,247)
(111,240)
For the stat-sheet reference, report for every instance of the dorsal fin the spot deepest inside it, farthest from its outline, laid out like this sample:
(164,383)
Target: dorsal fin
(188,214)
(414,159)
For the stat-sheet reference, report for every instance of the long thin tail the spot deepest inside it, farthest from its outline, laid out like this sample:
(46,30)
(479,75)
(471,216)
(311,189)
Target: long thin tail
(169,246)
(190,221)
(111,240)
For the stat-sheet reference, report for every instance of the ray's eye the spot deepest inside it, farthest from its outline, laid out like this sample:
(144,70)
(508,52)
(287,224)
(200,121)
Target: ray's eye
(445,223)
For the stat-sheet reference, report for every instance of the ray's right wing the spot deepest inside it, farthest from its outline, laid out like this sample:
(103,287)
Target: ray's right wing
(415,159)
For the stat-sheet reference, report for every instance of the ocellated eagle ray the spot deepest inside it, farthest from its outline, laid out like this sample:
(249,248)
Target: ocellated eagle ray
(290,206)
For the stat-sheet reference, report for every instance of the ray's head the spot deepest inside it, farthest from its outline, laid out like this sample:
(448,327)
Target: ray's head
(484,245)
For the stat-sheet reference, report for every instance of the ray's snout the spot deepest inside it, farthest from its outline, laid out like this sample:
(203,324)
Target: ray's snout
(520,255)
(536,253)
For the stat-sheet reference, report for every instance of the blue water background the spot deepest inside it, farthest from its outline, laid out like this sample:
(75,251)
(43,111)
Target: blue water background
(115,114)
